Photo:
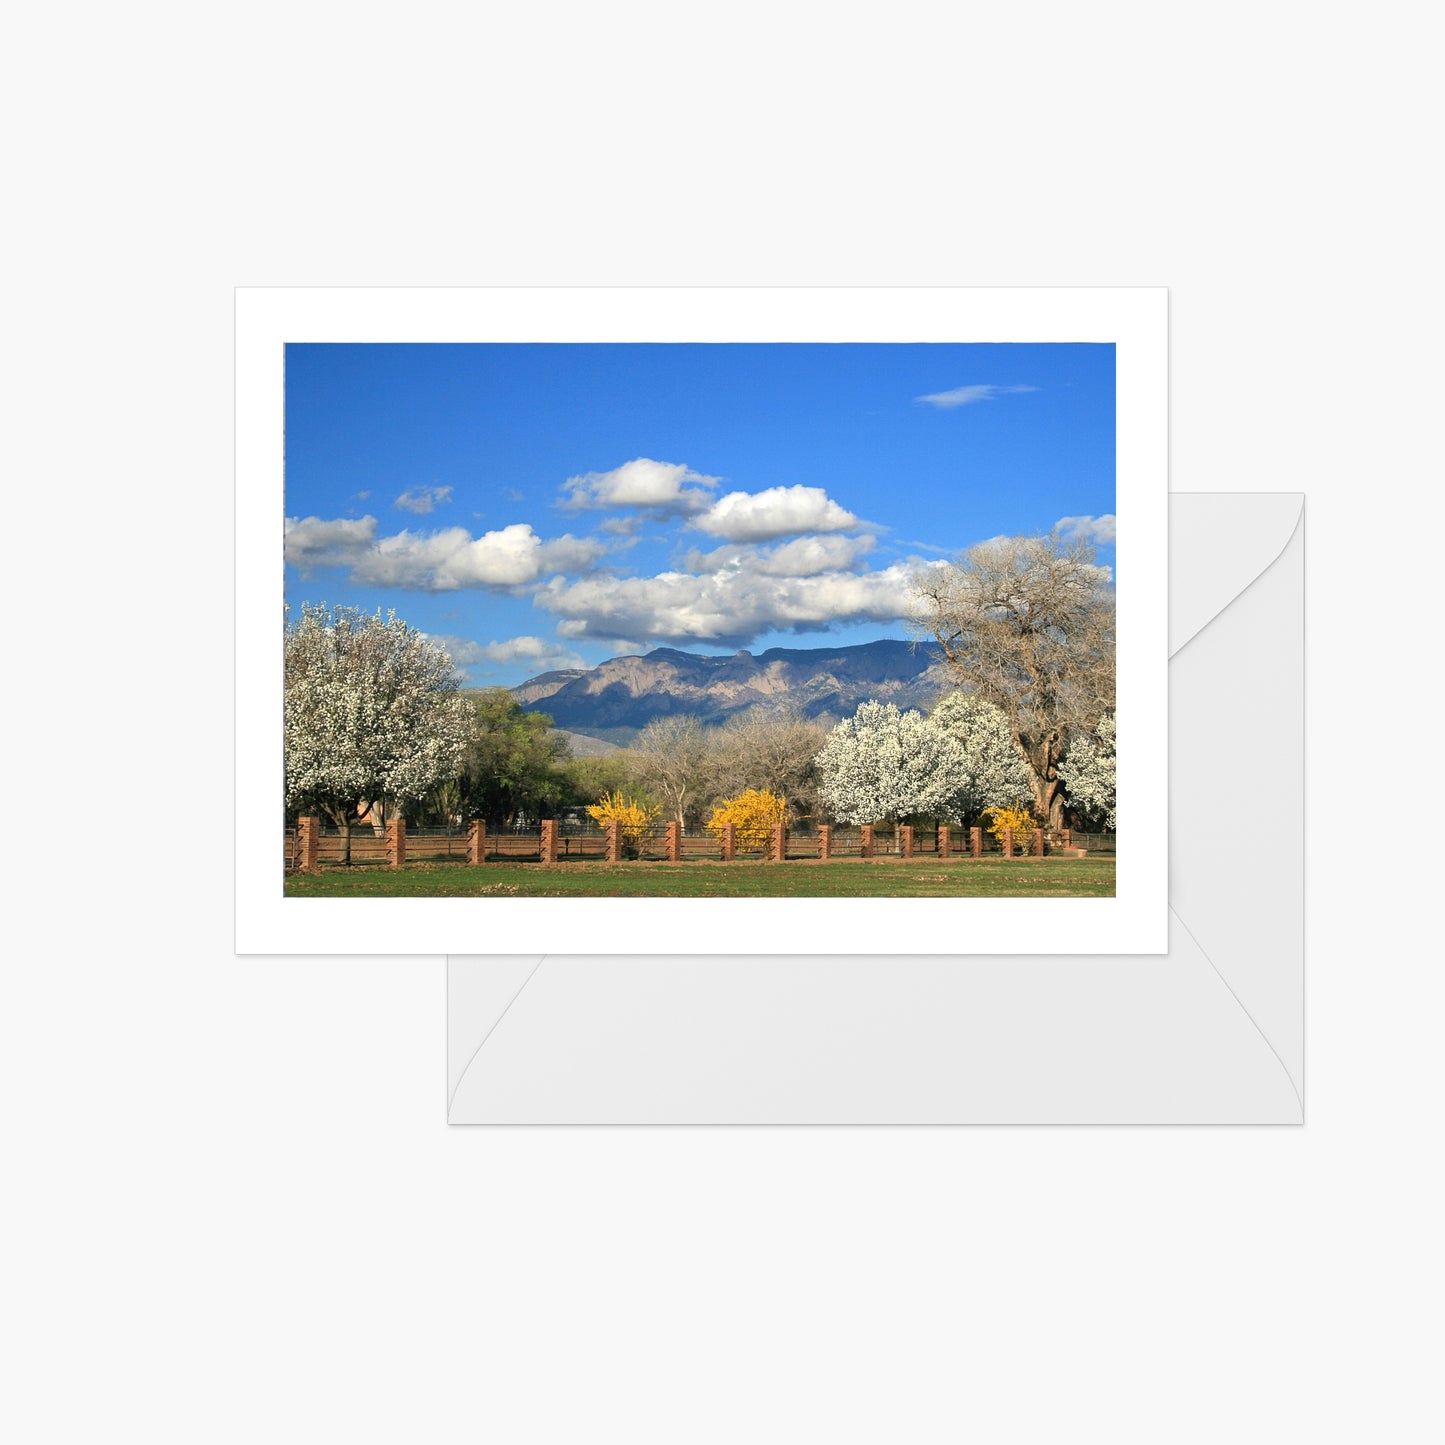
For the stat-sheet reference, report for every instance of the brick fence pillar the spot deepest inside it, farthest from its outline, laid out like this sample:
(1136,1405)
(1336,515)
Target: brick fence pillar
(1008,842)
(547,849)
(865,841)
(905,840)
(476,841)
(945,840)
(825,841)
(308,844)
(1036,843)
(396,843)
(728,837)
(778,843)
(612,841)
(1064,836)
(674,842)
(975,842)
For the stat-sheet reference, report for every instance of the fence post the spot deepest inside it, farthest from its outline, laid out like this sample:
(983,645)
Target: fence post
(728,836)
(396,842)
(945,840)
(674,842)
(308,839)
(612,841)
(905,839)
(1008,842)
(975,842)
(865,841)
(476,841)
(778,843)
(548,846)
(1036,843)
(1066,834)
(825,841)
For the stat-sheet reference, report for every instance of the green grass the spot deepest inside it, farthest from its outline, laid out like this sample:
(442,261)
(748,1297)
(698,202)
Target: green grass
(881,878)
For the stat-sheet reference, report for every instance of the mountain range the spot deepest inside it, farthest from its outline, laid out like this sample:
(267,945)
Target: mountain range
(618,698)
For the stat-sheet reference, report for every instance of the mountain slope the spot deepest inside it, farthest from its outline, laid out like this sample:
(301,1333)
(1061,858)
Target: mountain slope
(615,700)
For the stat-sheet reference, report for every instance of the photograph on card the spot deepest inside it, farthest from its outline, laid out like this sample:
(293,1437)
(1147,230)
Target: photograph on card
(699,620)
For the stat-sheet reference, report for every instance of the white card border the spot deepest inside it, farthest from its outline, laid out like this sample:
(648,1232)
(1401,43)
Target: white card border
(1134,319)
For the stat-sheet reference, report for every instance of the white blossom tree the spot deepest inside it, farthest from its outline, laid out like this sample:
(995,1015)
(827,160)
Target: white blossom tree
(882,764)
(1088,773)
(994,770)
(373,712)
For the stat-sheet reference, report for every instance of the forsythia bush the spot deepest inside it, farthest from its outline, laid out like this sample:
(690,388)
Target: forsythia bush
(635,819)
(753,813)
(1019,819)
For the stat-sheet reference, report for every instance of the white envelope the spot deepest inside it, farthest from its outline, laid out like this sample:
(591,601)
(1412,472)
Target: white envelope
(1211,1032)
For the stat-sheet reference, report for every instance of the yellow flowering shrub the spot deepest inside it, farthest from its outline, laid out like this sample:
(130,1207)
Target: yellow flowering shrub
(636,820)
(1019,819)
(753,813)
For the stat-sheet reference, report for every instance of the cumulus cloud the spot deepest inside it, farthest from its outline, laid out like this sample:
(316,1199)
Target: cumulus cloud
(730,607)
(776,512)
(802,557)
(453,558)
(1099,530)
(437,561)
(968,395)
(537,652)
(423,499)
(668,487)
(315,542)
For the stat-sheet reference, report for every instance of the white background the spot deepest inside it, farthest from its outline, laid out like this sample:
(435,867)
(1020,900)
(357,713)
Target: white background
(233,1209)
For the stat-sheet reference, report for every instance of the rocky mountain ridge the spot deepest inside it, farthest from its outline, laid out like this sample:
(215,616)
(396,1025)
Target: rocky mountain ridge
(615,700)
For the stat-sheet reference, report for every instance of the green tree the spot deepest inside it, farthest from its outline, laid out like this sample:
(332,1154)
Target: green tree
(516,765)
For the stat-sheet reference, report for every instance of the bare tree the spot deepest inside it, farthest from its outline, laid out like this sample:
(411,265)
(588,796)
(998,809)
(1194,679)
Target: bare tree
(672,758)
(772,747)
(1027,623)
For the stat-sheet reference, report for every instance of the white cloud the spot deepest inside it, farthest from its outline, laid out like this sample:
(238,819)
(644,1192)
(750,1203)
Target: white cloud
(668,487)
(802,557)
(438,561)
(968,395)
(423,499)
(538,652)
(776,512)
(453,558)
(731,607)
(1099,530)
(314,542)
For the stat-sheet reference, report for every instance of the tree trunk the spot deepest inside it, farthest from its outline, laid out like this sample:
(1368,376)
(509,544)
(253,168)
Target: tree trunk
(346,842)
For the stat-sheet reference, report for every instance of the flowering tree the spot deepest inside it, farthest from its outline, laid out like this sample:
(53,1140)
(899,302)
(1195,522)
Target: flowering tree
(1087,770)
(882,764)
(994,771)
(373,712)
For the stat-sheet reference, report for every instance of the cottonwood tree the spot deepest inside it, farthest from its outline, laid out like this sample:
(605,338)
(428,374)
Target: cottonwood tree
(373,713)
(881,765)
(770,748)
(672,758)
(1088,773)
(1028,624)
(995,773)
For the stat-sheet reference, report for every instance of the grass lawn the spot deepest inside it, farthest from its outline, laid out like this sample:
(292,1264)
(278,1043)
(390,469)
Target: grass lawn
(852,878)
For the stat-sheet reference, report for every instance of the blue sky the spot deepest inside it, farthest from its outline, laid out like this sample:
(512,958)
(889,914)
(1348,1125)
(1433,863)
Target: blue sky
(554,505)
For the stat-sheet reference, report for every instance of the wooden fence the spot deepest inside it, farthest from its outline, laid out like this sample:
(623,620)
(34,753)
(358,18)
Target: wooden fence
(310,845)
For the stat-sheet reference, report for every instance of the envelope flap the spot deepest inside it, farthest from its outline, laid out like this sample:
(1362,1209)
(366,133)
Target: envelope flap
(1220,543)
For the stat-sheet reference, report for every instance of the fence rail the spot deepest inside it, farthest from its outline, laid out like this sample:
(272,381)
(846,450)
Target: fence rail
(312,845)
